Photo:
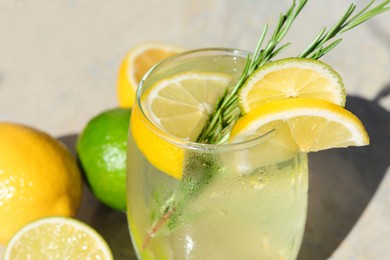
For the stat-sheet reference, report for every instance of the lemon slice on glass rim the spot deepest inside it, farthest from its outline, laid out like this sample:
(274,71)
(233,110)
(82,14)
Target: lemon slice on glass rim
(299,125)
(291,78)
(179,105)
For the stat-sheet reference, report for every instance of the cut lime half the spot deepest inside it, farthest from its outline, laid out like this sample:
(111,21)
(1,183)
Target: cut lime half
(57,238)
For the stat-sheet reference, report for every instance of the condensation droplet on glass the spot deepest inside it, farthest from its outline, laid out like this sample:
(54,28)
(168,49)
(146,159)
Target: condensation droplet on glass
(235,197)
(222,212)
(282,254)
(292,182)
(265,242)
(259,184)
(189,244)
(299,178)
(216,195)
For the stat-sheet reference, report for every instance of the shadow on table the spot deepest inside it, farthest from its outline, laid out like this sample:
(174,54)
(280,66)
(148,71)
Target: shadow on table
(111,224)
(342,182)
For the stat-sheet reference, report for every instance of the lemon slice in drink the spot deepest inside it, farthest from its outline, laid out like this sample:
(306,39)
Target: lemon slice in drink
(292,77)
(179,105)
(136,63)
(302,124)
(57,238)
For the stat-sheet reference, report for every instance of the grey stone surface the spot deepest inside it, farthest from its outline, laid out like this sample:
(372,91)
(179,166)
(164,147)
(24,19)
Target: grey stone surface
(58,67)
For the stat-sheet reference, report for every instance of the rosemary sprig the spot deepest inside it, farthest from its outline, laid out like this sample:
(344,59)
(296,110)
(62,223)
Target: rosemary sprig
(225,114)
(318,47)
(217,129)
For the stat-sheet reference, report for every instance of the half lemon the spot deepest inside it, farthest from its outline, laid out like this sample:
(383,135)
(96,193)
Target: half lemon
(136,63)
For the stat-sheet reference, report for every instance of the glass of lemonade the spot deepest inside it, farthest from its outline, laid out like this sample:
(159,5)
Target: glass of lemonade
(187,200)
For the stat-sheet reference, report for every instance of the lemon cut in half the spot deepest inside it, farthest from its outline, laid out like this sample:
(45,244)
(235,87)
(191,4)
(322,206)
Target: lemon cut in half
(136,63)
(57,238)
(292,77)
(302,124)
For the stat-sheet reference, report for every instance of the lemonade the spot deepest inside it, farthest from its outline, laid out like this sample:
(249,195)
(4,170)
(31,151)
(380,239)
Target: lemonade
(258,215)
(199,201)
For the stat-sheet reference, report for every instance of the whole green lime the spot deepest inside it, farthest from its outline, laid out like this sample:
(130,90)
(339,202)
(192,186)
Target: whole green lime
(101,149)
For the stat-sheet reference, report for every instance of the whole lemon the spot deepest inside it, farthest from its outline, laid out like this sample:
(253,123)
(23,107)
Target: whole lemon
(39,177)
(101,148)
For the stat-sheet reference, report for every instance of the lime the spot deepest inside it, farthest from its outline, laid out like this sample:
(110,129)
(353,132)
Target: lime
(101,148)
(57,238)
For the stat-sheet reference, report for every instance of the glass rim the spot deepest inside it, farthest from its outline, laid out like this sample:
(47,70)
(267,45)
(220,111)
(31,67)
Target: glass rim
(180,141)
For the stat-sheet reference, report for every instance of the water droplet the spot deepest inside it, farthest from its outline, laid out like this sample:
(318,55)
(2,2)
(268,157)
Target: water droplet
(222,212)
(216,195)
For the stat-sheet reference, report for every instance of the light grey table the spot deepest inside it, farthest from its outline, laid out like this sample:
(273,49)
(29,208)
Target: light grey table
(58,67)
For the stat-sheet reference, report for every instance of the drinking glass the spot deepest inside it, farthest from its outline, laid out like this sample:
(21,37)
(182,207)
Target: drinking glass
(187,200)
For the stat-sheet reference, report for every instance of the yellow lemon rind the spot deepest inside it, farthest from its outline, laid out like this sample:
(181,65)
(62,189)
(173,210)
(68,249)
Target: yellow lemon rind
(127,83)
(286,109)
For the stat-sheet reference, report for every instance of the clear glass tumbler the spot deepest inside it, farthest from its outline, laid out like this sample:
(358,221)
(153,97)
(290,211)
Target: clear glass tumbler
(187,200)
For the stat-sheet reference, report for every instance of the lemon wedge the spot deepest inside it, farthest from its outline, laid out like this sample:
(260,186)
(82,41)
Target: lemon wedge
(302,125)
